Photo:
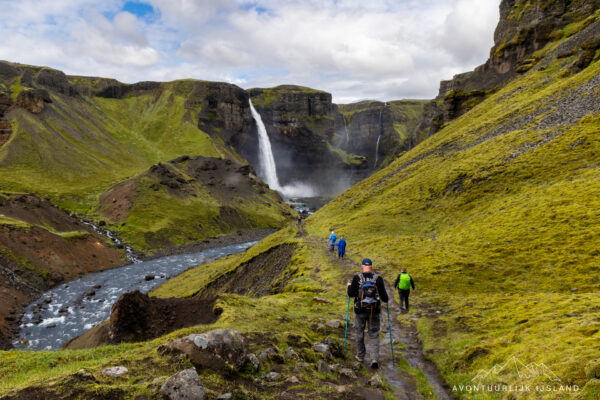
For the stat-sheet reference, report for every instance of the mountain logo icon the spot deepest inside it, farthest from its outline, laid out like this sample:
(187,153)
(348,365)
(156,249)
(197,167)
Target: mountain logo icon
(524,371)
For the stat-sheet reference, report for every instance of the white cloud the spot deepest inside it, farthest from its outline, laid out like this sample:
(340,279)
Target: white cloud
(380,49)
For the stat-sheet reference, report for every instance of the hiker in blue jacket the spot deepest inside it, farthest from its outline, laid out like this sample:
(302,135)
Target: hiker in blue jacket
(341,245)
(332,240)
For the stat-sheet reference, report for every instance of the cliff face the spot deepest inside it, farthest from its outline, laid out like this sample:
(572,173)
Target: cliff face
(395,124)
(302,125)
(525,27)
(319,142)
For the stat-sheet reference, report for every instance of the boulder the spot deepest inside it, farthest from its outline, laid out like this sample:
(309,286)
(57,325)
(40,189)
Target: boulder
(299,367)
(323,367)
(221,349)
(115,372)
(293,380)
(322,348)
(291,353)
(225,396)
(334,324)
(272,376)
(271,354)
(253,360)
(348,373)
(376,381)
(184,385)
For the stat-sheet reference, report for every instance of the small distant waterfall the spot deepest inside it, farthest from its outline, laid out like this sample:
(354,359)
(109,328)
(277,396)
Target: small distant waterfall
(266,159)
(380,134)
(346,129)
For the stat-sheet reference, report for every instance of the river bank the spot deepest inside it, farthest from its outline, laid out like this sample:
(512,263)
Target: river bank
(72,308)
(21,295)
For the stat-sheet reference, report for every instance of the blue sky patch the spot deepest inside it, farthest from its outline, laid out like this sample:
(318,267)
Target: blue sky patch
(138,8)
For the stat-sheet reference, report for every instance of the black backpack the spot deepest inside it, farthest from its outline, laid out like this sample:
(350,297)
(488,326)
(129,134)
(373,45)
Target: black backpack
(368,297)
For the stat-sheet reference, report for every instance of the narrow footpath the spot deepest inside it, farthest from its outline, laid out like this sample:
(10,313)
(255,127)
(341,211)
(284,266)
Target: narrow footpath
(403,383)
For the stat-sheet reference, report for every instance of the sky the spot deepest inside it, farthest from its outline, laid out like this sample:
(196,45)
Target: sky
(354,49)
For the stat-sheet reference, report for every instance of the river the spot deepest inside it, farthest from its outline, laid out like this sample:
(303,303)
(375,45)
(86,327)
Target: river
(72,308)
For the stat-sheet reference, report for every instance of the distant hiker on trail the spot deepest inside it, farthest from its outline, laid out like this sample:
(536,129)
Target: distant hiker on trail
(341,245)
(403,282)
(332,240)
(368,291)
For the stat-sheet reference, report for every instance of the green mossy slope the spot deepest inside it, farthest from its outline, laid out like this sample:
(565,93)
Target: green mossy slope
(94,134)
(496,216)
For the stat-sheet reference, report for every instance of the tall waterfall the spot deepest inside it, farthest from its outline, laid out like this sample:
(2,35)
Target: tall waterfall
(268,167)
(266,159)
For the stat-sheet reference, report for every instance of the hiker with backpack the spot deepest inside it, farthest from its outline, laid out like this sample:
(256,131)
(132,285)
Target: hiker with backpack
(332,239)
(403,283)
(341,245)
(368,291)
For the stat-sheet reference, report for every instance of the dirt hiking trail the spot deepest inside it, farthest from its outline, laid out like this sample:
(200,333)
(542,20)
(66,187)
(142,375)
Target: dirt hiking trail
(403,384)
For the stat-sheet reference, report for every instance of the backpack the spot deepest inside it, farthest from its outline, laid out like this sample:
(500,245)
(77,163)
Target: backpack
(368,297)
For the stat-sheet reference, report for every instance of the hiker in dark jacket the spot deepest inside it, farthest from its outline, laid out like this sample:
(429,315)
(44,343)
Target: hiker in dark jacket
(403,283)
(368,291)
(341,245)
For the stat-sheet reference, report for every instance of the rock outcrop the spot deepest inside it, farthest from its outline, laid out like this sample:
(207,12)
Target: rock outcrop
(5,126)
(33,100)
(523,29)
(221,349)
(137,317)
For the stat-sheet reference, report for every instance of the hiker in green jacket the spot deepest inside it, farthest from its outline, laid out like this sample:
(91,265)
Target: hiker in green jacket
(403,282)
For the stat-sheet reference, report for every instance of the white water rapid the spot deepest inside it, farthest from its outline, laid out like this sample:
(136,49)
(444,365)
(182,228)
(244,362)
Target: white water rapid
(268,167)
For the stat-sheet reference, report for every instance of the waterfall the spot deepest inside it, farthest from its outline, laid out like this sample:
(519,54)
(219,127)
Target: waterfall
(380,134)
(268,167)
(346,129)
(266,159)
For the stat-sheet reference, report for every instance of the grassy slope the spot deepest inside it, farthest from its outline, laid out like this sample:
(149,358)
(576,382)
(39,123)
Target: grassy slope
(496,233)
(161,219)
(267,321)
(81,146)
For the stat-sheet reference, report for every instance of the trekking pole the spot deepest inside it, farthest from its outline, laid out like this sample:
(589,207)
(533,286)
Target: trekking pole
(390,329)
(346,330)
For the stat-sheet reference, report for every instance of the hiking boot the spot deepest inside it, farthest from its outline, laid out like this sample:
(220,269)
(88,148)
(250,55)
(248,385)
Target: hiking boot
(359,359)
(374,364)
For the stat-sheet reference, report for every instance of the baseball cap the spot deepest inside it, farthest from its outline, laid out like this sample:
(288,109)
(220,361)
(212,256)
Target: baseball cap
(367,261)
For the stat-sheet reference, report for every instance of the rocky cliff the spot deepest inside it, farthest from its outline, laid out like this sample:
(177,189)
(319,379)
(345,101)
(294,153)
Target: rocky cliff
(524,29)
(395,124)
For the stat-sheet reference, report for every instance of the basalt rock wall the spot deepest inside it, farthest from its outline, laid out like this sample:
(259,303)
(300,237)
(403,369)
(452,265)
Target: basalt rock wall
(524,28)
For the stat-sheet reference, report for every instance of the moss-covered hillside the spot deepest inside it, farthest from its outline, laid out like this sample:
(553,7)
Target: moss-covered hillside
(74,138)
(496,217)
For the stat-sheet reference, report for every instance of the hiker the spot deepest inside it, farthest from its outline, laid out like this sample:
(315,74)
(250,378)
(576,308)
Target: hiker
(403,282)
(341,245)
(332,240)
(368,291)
